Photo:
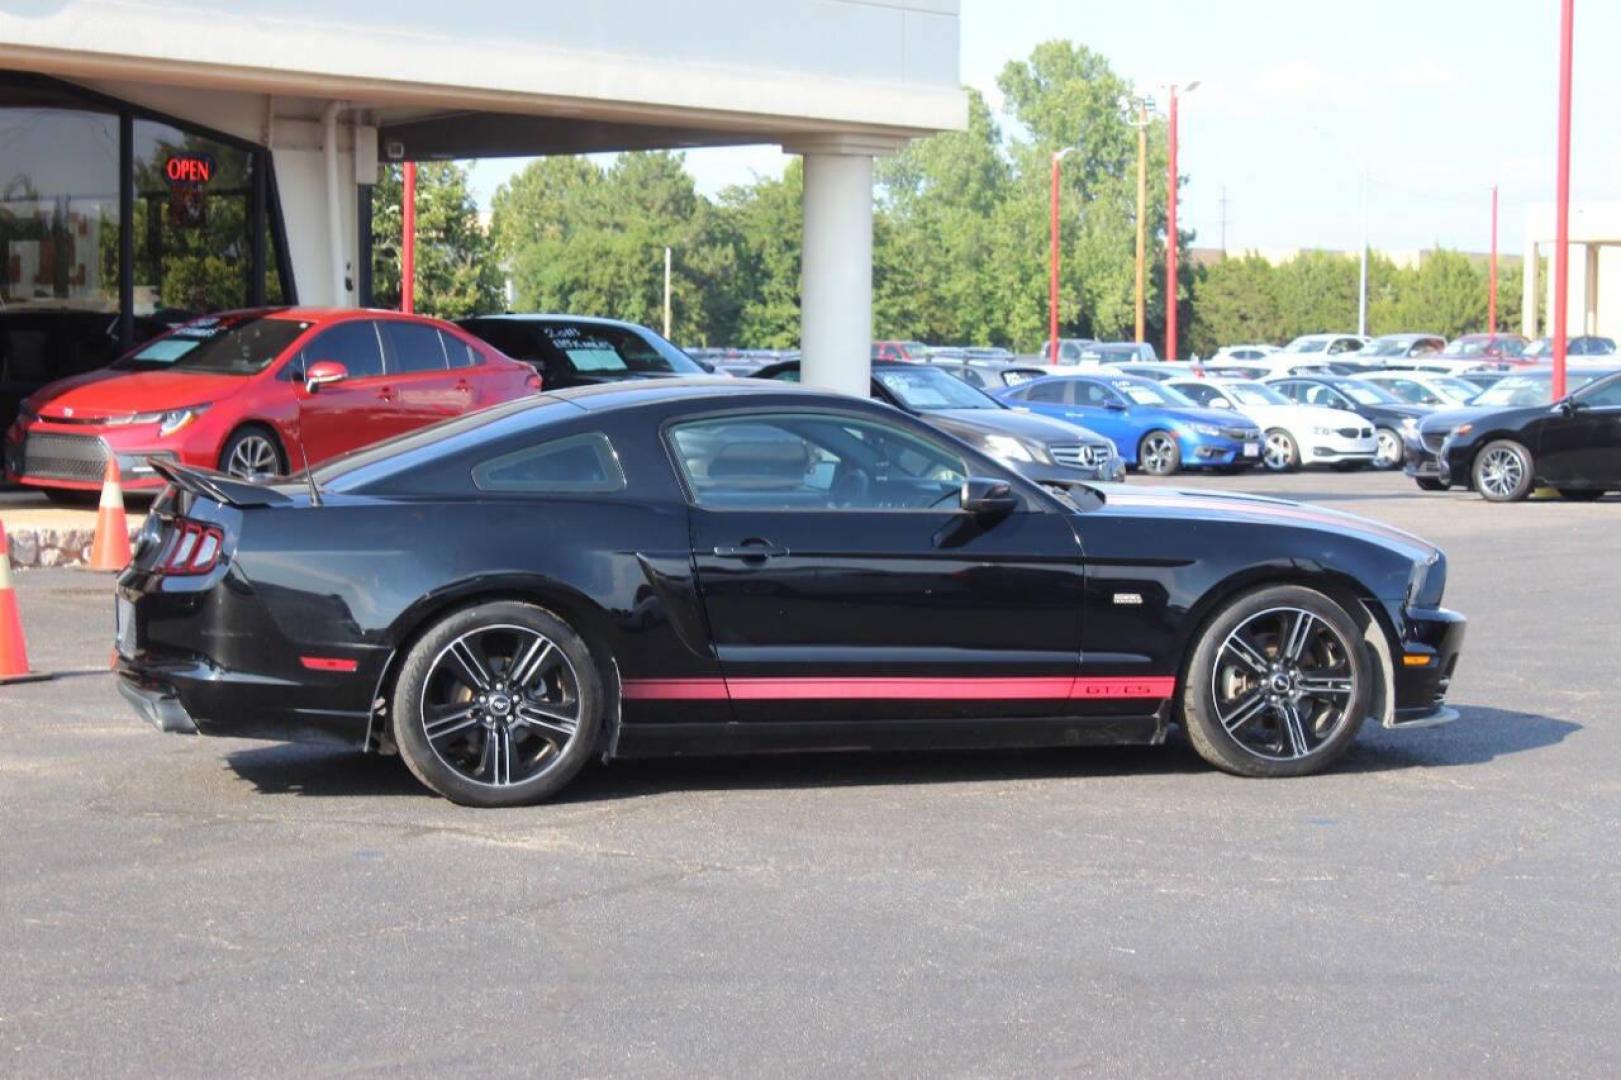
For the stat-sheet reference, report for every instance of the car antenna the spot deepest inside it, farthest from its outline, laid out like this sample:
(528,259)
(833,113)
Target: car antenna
(309,473)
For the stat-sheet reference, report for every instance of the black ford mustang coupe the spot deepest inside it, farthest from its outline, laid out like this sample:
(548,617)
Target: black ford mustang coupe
(705,566)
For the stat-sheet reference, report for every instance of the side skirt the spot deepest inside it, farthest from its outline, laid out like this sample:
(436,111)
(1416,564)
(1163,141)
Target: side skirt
(676,740)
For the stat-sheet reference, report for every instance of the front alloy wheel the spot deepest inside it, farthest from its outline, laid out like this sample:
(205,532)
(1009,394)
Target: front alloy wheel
(252,456)
(1389,453)
(1280,453)
(1278,685)
(1159,454)
(1503,472)
(497,705)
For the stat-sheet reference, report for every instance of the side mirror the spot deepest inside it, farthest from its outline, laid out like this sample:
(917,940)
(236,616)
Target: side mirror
(988,497)
(1567,407)
(1114,406)
(323,373)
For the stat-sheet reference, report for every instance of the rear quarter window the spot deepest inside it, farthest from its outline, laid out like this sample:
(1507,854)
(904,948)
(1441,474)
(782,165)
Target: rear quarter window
(576,464)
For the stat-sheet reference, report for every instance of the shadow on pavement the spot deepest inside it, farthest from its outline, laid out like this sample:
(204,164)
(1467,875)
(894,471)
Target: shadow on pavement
(1479,736)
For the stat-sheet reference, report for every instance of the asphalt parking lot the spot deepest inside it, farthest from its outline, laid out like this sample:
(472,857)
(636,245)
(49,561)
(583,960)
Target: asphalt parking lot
(1447,903)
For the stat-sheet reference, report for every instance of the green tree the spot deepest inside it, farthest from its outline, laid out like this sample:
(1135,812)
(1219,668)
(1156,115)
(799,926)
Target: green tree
(1236,301)
(1445,294)
(457,272)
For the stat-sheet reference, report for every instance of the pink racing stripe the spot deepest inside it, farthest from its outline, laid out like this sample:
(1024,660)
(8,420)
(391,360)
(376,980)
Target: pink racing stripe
(855,688)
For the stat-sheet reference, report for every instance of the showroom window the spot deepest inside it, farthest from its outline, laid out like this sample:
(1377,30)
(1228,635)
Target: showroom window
(115,225)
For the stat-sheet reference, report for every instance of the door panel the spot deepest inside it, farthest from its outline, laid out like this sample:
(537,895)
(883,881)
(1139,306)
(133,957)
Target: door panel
(836,591)
(1583,450)
(355,412)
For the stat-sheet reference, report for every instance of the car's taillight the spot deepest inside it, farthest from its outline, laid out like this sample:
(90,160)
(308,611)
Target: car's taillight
(194,550)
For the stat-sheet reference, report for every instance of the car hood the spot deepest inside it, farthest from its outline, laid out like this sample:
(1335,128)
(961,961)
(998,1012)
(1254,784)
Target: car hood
(1448,419)
(1219,417)
(1304,414)
(120,393)
(967,423)
(1168,503)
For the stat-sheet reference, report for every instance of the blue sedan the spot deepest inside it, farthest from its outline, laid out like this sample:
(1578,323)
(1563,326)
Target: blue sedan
(1152,426)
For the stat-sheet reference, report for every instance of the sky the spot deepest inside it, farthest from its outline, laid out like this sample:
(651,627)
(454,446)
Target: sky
(1433,101)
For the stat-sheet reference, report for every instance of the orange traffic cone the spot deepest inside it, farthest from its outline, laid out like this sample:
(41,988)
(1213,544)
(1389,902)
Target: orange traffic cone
(110,549)
(13,649)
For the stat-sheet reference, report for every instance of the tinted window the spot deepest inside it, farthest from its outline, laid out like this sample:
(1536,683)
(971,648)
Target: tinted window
(595,349)
(1055,392)
(457,351)
(814,462)
(354,344)
(412,347)
(1606,395)
(579,463)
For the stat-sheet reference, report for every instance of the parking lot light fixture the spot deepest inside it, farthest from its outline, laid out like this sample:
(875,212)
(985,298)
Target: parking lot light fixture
(1172,180)
(1052,291)
(1561,250)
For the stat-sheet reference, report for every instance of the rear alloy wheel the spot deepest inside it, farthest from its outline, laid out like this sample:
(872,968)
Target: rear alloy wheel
(1158,454)
(1280,453)
(252,454)
(498,705)
(1503,472)
(1278,685)
(1581,494)
(1389,453)
(1426,483)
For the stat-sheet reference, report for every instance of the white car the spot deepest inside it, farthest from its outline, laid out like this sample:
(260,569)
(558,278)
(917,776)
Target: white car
(1242,352)
(1425,387)
(1293,434)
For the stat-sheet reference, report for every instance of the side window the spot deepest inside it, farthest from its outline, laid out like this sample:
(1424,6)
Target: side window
(972,377)
(1607,396)
(1290,390)
(412,347)
(1204,395)
(577,464)
(1317,394)
(1095,395)
(353,344)
(1052,392)
(1069,351)
(457,351)
(811,461)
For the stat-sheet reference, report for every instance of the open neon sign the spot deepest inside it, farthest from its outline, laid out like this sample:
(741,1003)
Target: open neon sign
(191,168)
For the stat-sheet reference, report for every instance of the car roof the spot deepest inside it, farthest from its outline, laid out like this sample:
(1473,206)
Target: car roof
(538,317)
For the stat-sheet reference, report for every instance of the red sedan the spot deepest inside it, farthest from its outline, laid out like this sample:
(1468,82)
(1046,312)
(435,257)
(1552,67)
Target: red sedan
(252,392)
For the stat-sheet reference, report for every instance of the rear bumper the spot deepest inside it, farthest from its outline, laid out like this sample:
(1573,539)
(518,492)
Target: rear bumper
(159,707)
(194,697)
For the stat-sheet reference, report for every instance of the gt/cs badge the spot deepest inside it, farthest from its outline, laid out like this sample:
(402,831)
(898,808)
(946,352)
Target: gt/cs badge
(1128,599)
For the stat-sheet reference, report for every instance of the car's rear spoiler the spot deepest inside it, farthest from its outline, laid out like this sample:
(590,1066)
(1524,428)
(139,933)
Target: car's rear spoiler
(218,486)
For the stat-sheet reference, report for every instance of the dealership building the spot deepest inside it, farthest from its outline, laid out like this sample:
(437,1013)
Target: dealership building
(175,157)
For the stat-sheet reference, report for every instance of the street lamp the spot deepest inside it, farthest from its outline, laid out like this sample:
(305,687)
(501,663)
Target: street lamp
(1561,252)
(1136,114)
(1052,292)
(1171,179)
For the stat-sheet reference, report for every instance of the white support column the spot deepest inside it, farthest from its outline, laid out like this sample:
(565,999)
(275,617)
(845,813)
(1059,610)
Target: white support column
(1528,288)
(836,278)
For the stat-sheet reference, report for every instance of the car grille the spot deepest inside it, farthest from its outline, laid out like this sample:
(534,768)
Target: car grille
(1433,440)
(1241,433)
(1356,433)
(62,457)
(1082,455)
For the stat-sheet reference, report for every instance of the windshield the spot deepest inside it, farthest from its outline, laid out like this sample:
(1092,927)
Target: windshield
(1254,394)
(1148,392)
(927,389)
(1364,393)
(1300,344)
(1385,347)
(1461,389)
(216,345)
(1518,390)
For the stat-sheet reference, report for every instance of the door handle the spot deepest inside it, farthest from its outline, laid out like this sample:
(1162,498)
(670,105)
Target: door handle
(752,548)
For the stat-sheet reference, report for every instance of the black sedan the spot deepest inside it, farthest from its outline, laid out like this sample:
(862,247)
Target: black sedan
(1520,390)
(1392,418)
(1045,450)
(575,350)
(713,566)
(1573,445)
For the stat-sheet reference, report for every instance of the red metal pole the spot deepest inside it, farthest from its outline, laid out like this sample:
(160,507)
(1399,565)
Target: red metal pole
(1171,239)
(1491,294)
(408,241)
(1561,252)
(1052,288)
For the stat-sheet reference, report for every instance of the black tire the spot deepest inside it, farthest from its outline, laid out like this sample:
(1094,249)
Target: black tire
(1159,454)
(463,759)
(1390,452)
(1429,483)
(1581,494)
(255,442)
(1280,452)
(1235,716)
(1503,472)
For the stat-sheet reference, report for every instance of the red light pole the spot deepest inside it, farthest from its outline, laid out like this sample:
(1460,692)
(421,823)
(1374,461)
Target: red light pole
(1172,185)
(1561,254)
(1052,286)
(408,240)
(1491,292)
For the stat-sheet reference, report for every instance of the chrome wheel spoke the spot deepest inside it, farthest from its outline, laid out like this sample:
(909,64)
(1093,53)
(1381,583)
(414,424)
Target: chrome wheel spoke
(446,722)
(1299,636)
(474,670)
(1245,711)
(1326,685)
(555,727)
(1295,728)
(1246,653)
(530,663)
